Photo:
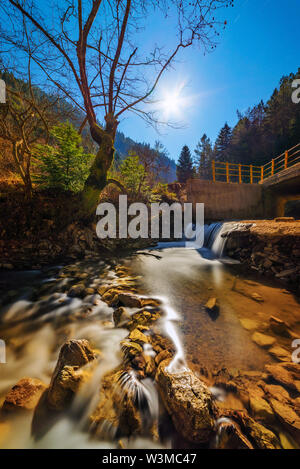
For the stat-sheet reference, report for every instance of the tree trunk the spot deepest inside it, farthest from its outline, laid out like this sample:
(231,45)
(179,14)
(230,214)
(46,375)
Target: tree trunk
(97,179)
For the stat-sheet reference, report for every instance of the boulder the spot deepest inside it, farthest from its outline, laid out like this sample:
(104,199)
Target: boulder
(263,340)
(67,375)
(127,299)
(188,402)
(24,396)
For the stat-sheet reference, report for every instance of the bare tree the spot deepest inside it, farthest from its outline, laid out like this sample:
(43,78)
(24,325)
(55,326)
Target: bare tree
(97,53)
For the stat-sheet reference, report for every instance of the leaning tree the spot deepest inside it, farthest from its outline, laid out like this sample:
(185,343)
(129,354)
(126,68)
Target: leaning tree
(103,56)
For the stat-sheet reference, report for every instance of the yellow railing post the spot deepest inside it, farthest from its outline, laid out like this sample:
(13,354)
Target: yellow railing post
(251,174)
(262,173)
(273,166)
(213,170)
(227,172)
(286,157)
(240,174)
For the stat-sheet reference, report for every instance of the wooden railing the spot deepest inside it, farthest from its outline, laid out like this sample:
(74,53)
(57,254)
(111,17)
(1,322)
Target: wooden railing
(253,174)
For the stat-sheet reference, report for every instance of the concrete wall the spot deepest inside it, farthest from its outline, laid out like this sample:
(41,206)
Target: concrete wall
(227,201)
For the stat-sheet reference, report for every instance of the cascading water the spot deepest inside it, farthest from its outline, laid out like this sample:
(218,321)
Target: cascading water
(217,236)
(35,325)
(214,235)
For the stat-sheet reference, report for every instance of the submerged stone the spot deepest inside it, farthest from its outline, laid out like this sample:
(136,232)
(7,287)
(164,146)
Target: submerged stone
(263,340)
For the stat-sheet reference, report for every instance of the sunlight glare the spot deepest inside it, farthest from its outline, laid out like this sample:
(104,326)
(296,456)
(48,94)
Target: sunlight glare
(172,102)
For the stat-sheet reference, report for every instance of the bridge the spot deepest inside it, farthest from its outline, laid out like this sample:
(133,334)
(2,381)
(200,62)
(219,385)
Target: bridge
(249,191)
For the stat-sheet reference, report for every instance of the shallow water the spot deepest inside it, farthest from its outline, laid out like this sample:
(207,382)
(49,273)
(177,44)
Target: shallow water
(38,317)
(187,278)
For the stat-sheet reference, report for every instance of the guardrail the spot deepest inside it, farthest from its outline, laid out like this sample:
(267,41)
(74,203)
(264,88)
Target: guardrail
(253,174)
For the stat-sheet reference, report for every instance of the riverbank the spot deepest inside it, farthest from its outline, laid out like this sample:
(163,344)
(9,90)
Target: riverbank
(269,247)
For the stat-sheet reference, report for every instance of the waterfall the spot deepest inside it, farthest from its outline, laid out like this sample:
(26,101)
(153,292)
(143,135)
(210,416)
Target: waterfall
(215,236)
(211,233)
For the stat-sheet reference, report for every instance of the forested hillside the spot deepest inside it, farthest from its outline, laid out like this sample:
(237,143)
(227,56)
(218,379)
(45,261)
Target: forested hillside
(62,111)
(263,132)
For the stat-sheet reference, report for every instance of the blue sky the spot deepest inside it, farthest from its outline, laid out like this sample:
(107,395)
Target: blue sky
(259,46)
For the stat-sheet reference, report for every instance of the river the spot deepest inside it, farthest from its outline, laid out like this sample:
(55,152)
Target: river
(37,317)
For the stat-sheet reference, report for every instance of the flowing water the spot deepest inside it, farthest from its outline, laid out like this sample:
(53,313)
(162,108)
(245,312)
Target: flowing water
(38,317)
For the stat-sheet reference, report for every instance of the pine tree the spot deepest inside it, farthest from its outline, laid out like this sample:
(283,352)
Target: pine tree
(221,149)
(203,156)
(184,168)
(63,165)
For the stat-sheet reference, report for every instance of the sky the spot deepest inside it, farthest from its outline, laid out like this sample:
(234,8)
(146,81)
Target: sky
(258,47)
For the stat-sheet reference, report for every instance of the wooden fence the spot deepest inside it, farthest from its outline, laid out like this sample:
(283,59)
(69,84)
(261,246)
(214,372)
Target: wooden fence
(253,174)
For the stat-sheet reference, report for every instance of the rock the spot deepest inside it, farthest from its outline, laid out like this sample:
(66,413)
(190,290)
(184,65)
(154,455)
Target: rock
(137,336)
(24,396)
(150,368)
(294,369)
(257,297)
(212,304)
(257,433)
(121,316)
(287,273)
(268,264)
(127,299)
(287,415)
(89,291)
(163,355)
(67,377)
(276,391)
(249,324)
(264,438)
(280,353)
(131,348)
(76,290)
(279,327)
(263,340)
(261,409)
(116,413)
(139,363)
(229,436)
(188,402)
(281,374)
(285,408)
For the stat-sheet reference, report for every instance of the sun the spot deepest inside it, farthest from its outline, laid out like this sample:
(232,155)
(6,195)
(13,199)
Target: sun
(172,103)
